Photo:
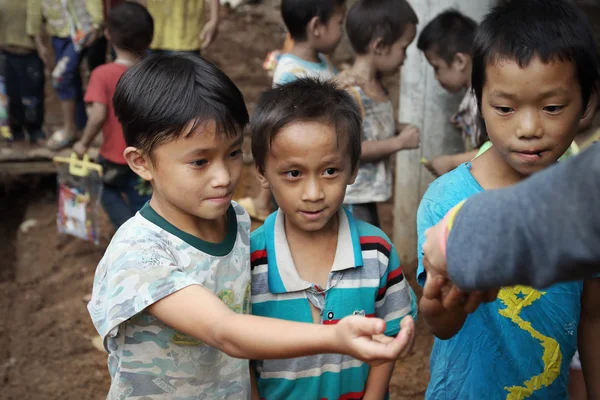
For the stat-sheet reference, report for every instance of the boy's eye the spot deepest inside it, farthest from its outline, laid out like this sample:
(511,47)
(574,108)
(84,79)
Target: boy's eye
(331,171)
(504,110)
(293,174)
(553,109)
(236,153)
(199,163)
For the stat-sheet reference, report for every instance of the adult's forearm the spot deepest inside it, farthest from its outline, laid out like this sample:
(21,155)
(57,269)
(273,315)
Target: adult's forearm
(543,230)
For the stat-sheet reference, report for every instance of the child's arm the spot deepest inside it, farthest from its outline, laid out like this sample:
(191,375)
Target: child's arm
(96,119)
(211,28)
(446,163)
(378,381)
(589,332)
(375,150)
(197,312)
(253,385)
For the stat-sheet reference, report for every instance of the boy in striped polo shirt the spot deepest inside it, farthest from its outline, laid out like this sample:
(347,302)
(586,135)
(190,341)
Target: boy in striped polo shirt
(311,260)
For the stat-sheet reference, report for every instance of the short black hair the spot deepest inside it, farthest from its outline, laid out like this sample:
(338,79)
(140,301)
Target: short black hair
(157,98)
(447,34)
(297,14)
(305,100)
(131,27)
(368,20)
(524,29)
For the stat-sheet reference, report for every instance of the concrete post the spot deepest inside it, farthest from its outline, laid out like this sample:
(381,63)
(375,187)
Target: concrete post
(424,103)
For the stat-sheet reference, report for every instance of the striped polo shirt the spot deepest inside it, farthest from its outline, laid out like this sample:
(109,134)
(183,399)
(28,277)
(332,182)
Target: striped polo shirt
(365,279)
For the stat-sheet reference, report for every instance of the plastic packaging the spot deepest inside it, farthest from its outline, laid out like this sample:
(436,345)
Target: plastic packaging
(79,192)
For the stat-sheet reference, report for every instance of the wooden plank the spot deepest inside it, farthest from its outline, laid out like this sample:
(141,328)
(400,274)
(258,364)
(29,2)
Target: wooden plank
(15,168)
(24,152)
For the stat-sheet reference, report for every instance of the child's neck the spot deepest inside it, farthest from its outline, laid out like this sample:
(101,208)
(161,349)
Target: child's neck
(468,77)
(212,231)
(313,252)
(305,51)
(491,171)
(364,68)
(125,56)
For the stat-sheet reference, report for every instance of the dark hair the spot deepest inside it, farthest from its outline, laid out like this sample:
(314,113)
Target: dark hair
(304,100)
(157,98)
(297,14)
(131,27)
(447,34)
(368,20)
(548,29)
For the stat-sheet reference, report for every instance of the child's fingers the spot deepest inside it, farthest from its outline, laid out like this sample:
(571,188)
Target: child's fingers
(433,286)
(367,326)
(473,301)
(453,298)
(490,295)
(409,326)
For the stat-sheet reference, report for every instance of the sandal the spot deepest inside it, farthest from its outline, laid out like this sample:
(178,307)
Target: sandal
(59,140)
(250,207)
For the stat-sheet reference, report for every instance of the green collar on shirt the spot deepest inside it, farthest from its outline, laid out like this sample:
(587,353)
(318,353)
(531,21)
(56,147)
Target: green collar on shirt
(213,249)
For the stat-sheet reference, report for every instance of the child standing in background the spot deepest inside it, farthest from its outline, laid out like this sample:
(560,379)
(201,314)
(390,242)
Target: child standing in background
(535,71)
(312,261)
(72,25)
(130,30)
(179,25)
(379,31)
(316,28)
(25,56)
(446,42)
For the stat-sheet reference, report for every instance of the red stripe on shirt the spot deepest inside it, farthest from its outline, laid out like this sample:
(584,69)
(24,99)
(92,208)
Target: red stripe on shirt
(352,396)
(395,273)
(375,239)
(257,254)
(335,321)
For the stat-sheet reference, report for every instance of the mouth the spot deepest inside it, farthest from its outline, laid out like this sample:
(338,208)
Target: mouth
(312,215)
(220,199)
(531,155)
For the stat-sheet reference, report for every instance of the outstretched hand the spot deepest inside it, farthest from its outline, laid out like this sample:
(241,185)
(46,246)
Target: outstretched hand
(360,338)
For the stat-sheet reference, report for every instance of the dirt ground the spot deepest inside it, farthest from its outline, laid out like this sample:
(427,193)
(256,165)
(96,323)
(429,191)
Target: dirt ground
(45,330)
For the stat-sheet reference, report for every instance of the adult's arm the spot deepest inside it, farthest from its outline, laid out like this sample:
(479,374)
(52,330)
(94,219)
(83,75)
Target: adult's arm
(540,231)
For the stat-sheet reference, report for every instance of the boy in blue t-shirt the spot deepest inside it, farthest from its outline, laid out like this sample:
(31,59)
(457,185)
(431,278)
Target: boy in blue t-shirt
(535,68)
(312,261)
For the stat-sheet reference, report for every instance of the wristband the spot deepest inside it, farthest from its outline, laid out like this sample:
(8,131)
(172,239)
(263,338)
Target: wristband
(447,223)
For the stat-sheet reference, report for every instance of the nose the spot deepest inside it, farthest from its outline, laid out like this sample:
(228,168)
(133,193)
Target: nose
(529,126)
(221,177)
(312,190)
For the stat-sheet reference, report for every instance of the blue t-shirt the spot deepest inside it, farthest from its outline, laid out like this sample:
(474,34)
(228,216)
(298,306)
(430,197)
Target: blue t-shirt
(289,68)
(518,347)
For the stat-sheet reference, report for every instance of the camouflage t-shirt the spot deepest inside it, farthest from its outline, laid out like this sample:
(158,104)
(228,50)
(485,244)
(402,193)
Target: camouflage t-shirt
(147,260)
(374,180)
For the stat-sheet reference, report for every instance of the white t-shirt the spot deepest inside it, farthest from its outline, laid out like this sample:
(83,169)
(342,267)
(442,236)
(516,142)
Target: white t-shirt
(147,260)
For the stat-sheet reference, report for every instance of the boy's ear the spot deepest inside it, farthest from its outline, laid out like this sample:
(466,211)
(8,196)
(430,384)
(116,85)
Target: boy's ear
(353,176)
(139,162)
(261,178)
(592,105)
(462,60)
(377,47)
(314,27)
(107,35)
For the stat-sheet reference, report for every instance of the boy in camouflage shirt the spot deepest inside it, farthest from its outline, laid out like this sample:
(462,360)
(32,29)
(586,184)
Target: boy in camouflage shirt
(171,294)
